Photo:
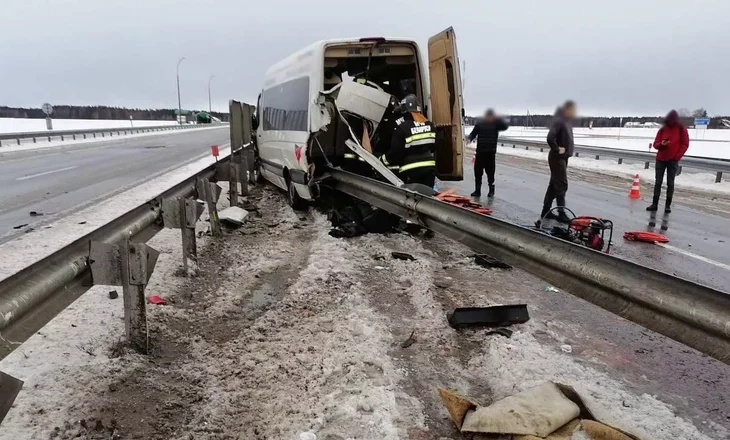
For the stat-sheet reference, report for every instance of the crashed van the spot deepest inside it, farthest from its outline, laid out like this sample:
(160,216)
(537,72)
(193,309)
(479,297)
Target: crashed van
(331,105)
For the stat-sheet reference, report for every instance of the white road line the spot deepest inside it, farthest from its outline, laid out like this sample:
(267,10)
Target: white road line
(698,257)
(46,173)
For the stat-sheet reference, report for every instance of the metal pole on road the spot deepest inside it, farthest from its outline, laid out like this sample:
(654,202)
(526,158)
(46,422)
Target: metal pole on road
(210,105)
(179,104)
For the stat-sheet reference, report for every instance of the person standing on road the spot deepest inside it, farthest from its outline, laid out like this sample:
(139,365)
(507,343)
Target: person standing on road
(672,141)
(560,140)
(486,133)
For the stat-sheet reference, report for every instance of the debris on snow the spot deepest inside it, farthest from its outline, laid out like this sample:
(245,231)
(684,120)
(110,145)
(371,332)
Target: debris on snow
(566,348)
(113,294)
(234,216)
(156,299)
(403,256)
(494,316)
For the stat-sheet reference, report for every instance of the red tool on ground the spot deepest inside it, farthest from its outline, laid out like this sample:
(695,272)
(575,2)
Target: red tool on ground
(647,237)
(450,196)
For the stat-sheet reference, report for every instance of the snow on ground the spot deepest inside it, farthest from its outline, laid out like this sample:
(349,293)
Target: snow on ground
(38,244)
(288,333)
(694,179)
(16,125)
(703,143)
(27,145)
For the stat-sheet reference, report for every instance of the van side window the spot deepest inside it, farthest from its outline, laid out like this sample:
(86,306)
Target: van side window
(286,106)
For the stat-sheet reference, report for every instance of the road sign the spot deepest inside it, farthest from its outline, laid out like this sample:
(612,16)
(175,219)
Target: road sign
(702,121)
(47,109)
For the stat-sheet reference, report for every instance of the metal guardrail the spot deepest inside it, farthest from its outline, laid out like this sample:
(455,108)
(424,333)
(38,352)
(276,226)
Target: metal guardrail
(695,315)
(719,166)
(86,133)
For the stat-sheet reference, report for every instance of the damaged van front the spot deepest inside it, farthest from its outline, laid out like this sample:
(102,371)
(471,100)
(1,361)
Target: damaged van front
(332,105)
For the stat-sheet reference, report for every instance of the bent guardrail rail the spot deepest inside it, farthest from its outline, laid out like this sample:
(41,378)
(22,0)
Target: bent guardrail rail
(690,313)
(719,166)
(64,135)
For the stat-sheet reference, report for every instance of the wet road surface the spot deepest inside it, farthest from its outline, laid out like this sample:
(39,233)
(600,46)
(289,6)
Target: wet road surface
(698,247)
(54,181)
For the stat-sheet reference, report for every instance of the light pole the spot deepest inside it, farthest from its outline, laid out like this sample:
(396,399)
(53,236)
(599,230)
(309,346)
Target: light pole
(210,106)
(179,105)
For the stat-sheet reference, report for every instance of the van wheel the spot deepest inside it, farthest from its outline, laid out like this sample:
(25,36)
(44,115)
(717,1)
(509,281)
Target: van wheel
(296,202)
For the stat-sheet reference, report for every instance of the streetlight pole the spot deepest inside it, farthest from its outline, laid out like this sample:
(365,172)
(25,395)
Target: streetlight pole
(179,105)
(210,105)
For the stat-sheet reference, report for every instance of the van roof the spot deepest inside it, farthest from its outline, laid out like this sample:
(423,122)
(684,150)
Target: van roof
(318,47)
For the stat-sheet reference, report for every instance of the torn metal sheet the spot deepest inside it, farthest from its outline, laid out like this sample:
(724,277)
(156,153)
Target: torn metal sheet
(9,389)
(373,162)
(233,215)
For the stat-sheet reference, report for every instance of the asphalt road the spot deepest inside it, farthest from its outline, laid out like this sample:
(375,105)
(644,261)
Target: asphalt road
(698,239)
(55,181)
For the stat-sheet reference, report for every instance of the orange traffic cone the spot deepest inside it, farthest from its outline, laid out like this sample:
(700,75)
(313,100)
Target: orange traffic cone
(635,189)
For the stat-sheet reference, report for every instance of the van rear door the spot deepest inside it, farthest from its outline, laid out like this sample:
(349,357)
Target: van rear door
(447,103)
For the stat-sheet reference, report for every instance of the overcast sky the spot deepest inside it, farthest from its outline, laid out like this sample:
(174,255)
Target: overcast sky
(613,58)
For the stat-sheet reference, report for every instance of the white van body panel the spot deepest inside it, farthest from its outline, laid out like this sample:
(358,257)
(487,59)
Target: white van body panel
(277,148)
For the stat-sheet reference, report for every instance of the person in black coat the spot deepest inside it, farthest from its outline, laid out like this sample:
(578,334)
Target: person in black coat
(560,140)
(486,133)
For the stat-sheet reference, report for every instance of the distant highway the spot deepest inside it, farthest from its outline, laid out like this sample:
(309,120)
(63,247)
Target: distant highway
(52,181)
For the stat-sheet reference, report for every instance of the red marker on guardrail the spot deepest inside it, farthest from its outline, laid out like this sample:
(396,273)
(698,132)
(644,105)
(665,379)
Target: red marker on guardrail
(214,151)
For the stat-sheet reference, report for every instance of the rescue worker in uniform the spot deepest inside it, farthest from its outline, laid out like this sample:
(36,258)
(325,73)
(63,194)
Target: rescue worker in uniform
(413,144)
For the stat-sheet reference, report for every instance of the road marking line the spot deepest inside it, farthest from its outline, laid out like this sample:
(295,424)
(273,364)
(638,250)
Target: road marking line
(698,257)
(46,173)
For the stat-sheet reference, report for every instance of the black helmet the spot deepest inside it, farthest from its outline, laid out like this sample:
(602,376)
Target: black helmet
(409,104)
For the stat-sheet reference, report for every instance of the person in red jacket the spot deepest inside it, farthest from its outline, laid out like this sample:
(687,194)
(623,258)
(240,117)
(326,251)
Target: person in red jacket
(672,141)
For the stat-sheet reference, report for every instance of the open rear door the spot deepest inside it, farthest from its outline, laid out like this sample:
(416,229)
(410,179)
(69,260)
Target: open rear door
(447,103)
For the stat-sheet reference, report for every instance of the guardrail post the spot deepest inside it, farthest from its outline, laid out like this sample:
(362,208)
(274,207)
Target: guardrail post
(620,161)
(541,150)
(62,138)
(182,213)
(577,154)
(49,140)
(74,136)
(129,265)
(679,170)
(718,177)
(19,141)
(233,177)
(84,135)
(646,165)
(597,157)
(514,146)
(210,192)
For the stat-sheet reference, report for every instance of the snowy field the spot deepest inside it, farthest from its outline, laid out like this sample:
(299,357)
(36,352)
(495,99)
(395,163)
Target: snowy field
(15,125)
(703,143)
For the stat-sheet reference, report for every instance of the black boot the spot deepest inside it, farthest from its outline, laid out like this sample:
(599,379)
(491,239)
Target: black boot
(477,193)
(668,205)
(652,208)
(562,217)
(491,191)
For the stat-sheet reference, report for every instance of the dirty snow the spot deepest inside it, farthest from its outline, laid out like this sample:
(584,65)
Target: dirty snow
(34,246)
(289,333)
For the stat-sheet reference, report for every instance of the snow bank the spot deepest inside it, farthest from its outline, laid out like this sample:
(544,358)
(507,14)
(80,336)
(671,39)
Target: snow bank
(703,143)
(700,181)
(14,125)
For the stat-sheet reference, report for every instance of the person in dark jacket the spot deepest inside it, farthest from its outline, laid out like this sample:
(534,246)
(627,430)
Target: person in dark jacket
(672,141)
(486,133)
(413,144)
(560,140)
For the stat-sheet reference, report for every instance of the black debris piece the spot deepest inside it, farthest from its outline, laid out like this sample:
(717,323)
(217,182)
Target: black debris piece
(507,333)
(403,256)
(20,226)
(35,213)
(485,260)
(113,294)
(410,341)
(82,223)
(495,316)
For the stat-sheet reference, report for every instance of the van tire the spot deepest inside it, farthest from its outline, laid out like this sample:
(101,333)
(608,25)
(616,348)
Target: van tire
(292,196)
